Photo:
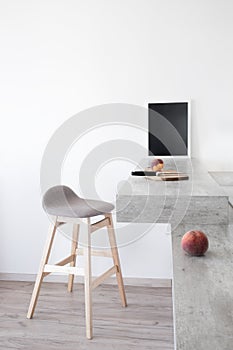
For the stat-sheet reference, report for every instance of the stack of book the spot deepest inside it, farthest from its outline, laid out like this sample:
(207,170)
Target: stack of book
(166,175)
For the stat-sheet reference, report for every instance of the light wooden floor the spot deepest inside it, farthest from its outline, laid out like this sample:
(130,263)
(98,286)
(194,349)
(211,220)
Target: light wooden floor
(59,318)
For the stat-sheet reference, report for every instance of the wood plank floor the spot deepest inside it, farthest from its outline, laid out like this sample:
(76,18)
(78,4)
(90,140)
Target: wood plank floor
(59,323)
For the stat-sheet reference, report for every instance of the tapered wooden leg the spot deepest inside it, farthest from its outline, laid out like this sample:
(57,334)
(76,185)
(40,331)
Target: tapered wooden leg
(116,260)
(73,252)
(88,280)
(39,278)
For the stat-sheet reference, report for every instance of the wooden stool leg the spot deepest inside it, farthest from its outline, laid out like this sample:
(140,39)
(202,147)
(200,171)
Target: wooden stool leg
(39,278)
(73,252)
(116,260)
(88,281)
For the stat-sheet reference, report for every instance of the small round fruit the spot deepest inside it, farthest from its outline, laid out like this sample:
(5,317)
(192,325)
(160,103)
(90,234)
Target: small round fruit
(195,243)
(157,164)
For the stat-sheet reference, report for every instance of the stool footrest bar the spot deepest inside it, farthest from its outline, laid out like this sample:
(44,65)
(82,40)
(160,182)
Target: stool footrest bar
(103,277)
(96,252)
(64,269)
(62,263)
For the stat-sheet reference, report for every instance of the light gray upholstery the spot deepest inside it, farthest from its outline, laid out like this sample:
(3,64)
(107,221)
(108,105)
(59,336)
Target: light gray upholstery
(62,201)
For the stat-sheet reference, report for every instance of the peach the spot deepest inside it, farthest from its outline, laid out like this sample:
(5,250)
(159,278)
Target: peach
(195,243)
(157,164)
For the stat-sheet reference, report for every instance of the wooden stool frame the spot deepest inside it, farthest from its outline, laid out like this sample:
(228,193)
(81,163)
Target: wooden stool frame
(45,268)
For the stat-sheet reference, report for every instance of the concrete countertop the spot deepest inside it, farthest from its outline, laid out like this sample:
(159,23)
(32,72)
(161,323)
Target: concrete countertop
(200,182)
(225,180)
(203,291)
(202,286)
(199,199)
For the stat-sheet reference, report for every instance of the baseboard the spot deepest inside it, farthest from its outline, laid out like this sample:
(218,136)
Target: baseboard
(132,281)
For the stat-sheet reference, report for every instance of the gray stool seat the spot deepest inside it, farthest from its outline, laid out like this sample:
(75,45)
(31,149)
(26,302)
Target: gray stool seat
(62,201)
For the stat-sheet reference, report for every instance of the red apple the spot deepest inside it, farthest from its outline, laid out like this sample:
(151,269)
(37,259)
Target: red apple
(195,243)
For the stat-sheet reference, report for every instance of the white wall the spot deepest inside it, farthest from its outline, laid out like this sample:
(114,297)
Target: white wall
(60,57)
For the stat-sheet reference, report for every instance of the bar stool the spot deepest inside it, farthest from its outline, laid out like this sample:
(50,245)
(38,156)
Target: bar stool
(65,206)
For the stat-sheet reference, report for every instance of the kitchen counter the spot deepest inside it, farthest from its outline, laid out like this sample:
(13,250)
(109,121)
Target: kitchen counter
(199,199)
(202,286)
(203,291)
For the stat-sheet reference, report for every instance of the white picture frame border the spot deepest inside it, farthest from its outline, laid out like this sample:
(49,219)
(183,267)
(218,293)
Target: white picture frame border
(189,145)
